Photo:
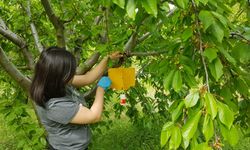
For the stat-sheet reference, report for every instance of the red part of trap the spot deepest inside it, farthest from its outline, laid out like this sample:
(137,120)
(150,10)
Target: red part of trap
(123,99)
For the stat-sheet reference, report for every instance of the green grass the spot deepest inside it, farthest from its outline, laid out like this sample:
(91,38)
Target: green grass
(123,135)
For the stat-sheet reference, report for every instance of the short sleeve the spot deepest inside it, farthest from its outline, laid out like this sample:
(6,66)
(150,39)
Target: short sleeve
(62,110)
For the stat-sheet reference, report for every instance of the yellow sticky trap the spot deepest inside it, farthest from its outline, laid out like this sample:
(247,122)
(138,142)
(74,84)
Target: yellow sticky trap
(122,78)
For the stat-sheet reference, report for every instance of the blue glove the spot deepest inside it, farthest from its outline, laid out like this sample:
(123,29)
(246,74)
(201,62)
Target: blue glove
(104,82)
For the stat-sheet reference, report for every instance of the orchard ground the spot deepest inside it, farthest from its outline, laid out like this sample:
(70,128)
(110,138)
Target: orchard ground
(121,135)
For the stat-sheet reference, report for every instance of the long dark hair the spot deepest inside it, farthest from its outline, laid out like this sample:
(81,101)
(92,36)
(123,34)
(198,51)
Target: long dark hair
(54,69)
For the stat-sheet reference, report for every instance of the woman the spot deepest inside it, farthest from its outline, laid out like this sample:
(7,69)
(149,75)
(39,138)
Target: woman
(62,110)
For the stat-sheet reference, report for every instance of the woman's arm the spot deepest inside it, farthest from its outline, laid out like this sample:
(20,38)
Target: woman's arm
(92,115)
(94,74)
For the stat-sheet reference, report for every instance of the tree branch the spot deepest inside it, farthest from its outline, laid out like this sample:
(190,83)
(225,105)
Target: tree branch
(143,37)
(57,23)
(233,34)
(147,34)
(88,64)
(13,71)
(104,36)
(152,53)
(33,29)
(201,44)
(131,43)
(17,40)
(97,20)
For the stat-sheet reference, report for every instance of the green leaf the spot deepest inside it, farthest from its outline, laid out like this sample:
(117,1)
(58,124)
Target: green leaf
(206,18)
(227,97)
(211,105)
(210,53)
(177,112)
(192,98)
(202,146)
(232,135)
(182,3)
(227,55)
(188,69)
(248,14)
(218,32)
(43,141)
(203,1)
(166,133)
(208,128)
(130,8)
(190,80)
(188,64)
(120,3)
(175,139)
(241,52)
(150,6)
(221,18)
(242,86)
(216,69)
(226,116)
(177,81)
(168,80)
(185,143)
(165,6)
(187,34)
(190,127)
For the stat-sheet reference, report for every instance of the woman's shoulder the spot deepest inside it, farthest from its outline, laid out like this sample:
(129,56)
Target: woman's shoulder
(60,101)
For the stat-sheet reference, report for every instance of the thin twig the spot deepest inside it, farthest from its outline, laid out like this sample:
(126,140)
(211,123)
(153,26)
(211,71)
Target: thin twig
(233,34)
(144,37)
(33,29)
(147,34)
(152,53)
(107,24)
(201,44)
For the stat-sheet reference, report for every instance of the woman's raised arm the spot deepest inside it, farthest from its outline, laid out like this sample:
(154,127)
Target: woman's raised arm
(94,74)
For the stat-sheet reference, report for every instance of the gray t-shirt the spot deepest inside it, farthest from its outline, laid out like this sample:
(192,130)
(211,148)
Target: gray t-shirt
(63,135)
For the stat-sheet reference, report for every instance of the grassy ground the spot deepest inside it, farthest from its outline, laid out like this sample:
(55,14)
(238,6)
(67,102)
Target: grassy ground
(121,136)
(124,136)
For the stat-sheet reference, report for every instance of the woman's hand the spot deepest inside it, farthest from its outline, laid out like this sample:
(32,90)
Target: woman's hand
(115,55)
(104,82)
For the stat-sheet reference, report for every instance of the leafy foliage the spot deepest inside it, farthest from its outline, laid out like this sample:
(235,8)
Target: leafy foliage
(202,78)
(14,108)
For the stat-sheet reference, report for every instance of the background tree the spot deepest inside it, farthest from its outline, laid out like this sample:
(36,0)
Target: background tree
(194,54)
